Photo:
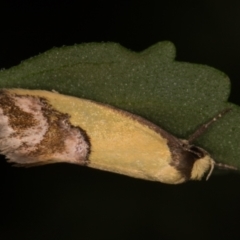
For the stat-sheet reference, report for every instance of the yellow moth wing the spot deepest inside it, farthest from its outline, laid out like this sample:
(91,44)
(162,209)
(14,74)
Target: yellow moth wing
(119,142)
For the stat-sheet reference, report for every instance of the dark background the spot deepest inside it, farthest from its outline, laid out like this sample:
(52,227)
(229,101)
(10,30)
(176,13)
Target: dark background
(68,202)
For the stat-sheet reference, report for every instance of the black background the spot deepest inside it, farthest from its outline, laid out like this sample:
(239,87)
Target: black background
(68,202)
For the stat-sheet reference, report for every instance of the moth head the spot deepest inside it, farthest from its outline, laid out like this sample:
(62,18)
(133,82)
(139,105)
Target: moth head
(202,166)
(203,163)
(195,162)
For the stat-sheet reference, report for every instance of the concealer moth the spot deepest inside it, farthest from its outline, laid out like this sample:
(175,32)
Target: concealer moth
(40,127)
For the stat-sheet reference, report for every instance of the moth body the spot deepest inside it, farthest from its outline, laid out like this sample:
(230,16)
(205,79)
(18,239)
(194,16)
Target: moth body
(41,127)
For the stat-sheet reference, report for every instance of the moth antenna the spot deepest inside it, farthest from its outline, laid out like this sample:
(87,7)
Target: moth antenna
(225,166)
(205,126)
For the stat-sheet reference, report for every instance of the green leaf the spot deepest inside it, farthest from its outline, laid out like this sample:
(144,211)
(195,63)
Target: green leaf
(177,96)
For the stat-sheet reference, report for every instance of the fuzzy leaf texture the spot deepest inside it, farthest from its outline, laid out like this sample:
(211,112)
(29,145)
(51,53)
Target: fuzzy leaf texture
(177,96)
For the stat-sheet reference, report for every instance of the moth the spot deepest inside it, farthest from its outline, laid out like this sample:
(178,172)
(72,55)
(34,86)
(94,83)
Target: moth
(41,127)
